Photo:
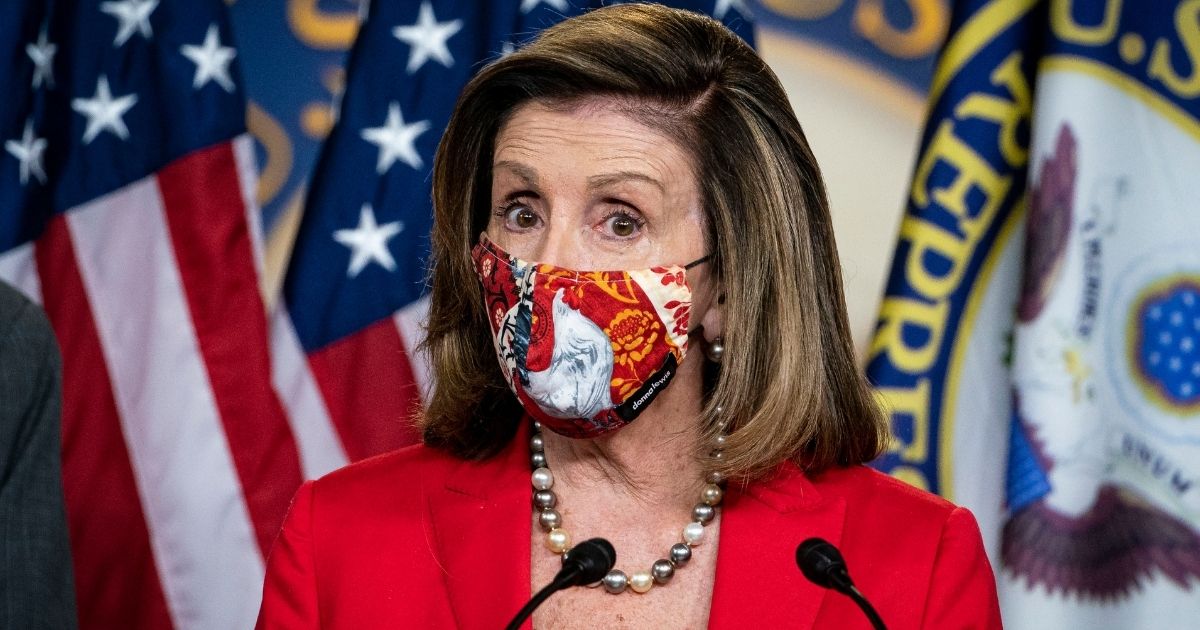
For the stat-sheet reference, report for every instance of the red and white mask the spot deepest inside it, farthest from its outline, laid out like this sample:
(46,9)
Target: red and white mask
(584,351)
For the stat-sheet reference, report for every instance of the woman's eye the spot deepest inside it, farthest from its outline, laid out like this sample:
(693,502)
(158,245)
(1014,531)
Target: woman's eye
(521,217)
(622,225)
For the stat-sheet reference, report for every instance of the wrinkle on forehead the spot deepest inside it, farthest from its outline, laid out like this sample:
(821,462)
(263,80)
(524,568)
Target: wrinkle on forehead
(598,129)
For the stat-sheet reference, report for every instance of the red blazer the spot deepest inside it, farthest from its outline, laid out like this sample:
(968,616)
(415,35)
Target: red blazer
(397,541)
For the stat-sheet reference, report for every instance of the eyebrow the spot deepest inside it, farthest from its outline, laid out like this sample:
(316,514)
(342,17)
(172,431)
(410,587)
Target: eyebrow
(524,173)
(607,179)
(529,176)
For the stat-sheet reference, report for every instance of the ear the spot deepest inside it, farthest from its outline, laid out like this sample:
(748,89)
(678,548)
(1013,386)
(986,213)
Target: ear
(713,321)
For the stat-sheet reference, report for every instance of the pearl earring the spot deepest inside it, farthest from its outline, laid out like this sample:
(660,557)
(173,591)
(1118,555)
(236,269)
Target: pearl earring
(715,350)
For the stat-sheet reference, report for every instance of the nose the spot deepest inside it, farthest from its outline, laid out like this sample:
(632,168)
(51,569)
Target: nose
(559,243)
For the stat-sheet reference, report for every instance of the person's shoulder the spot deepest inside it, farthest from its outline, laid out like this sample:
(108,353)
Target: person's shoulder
(11,300)
(893,529)
(20,317)
(388,472)
(919,555)
(869,492)
(30,363)
(386,492)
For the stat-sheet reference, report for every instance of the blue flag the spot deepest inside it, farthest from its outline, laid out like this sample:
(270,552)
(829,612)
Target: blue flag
(1039,343)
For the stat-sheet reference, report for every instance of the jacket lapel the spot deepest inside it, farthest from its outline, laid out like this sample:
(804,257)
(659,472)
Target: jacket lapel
(479,516)
(480,520)
(757,582)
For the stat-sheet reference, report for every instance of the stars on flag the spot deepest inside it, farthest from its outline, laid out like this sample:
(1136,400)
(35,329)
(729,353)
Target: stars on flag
(29,153)
(358,252)
(396,140)
(212,60)
(103,112)
(427,38)
(368,242)
(133,16)
(42,54)
(529,5)
(1168,359)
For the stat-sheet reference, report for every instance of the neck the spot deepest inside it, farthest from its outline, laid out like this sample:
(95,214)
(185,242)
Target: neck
(652,460)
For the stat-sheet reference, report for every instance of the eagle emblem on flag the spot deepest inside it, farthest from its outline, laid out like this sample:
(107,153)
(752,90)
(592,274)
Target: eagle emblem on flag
(1085,520)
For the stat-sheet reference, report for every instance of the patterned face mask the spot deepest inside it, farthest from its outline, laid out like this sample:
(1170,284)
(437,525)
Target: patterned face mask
(584,351)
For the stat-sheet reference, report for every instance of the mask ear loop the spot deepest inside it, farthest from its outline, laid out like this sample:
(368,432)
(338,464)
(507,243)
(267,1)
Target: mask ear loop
(698,261)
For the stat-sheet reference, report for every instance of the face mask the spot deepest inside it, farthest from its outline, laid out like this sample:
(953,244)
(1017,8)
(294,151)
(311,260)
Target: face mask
(585,352)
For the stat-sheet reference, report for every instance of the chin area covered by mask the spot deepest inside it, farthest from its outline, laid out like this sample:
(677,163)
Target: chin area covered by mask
(585,352)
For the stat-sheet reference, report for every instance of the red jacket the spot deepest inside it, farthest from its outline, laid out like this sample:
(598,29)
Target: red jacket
(397,541)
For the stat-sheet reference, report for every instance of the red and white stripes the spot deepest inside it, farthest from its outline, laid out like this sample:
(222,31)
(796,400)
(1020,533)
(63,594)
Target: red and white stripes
(179,461)
(117,581)
(362,391)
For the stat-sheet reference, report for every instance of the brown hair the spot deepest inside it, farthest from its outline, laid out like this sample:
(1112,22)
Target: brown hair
(788,384)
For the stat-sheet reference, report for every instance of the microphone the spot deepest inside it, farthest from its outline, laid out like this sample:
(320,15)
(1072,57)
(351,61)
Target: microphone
(585,563)
(823,565)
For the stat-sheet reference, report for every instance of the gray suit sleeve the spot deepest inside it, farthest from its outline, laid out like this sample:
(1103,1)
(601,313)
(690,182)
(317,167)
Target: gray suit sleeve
(36,587)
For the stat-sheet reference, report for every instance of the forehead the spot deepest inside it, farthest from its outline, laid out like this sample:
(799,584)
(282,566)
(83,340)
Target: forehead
(592,135)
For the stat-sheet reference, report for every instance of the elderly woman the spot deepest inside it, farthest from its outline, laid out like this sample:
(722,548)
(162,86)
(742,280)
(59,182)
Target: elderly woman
(637,318)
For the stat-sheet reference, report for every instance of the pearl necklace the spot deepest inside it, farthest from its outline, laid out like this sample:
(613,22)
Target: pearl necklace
(661,572)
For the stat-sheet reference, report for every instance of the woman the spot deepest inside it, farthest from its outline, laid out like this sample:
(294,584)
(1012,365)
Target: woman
(697,403)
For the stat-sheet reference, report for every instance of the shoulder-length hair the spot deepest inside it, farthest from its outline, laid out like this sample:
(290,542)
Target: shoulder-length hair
(788,385)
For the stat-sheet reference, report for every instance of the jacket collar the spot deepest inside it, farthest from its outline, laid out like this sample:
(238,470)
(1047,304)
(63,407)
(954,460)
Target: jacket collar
(480,520)
(758,583)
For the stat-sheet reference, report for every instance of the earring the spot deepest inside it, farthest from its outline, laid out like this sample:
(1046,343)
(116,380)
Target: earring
(715,350)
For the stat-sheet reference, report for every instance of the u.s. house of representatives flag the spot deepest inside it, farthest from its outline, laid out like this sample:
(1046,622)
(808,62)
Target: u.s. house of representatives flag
(1039,345)
(345,335)
(126,210)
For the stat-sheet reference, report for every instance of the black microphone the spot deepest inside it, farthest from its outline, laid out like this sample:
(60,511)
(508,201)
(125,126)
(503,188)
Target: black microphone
(823,565)
(585,563)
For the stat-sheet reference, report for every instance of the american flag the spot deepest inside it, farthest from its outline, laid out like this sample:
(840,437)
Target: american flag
(127,211)
(354,294)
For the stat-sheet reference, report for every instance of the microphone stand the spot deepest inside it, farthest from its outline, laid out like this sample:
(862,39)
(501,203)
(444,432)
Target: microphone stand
(585,563)
(823,565)
(868,610)
(564,579)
